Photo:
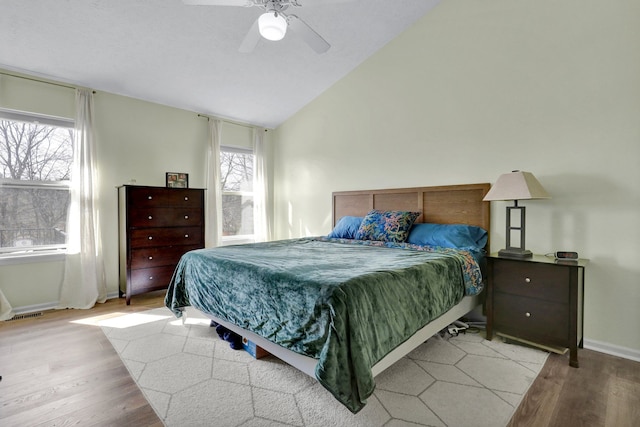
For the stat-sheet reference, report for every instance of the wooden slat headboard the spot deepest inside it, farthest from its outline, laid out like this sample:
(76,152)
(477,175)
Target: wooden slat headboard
(449,204)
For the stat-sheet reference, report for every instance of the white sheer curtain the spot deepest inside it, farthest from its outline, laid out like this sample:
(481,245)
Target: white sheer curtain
(84,281)
(260,188)
(213,203)
(6,311)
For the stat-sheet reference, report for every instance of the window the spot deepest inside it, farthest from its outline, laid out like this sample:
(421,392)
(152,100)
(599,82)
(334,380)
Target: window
(236,176)
(36,155)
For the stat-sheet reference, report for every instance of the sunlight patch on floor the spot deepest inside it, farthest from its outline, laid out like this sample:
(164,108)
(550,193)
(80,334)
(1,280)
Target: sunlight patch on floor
(121,320)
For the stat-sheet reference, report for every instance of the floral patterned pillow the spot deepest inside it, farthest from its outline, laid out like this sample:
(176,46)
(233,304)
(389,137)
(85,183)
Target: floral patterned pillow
(386,226)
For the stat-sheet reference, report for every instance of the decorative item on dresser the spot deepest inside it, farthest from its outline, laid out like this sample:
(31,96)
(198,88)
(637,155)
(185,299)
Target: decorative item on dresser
(157,225)
(538,301)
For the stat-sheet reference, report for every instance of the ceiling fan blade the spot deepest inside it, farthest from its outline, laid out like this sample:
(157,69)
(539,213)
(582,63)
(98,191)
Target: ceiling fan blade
(246,3)
(251,39)
(320,2)
(308,34)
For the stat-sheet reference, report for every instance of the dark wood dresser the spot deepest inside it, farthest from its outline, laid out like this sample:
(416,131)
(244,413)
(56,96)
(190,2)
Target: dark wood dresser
(156,226)
(538,301)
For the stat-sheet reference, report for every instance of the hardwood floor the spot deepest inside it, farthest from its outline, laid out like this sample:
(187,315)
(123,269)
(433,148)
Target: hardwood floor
(60,370)
(604,391)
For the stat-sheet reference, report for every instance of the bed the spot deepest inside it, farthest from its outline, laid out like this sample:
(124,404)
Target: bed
(341,309)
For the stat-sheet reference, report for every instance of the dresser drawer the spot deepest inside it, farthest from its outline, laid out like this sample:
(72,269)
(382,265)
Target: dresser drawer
(155,257)
(165,217)
(535,280)
(531,319)
(148,279)
(150,237)
(140,197)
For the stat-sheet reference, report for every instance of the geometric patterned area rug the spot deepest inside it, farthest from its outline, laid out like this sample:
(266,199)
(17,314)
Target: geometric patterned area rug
(192,378)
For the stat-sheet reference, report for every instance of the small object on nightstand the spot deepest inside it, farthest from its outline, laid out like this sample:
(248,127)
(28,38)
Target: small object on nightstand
(566,255)
(538,301)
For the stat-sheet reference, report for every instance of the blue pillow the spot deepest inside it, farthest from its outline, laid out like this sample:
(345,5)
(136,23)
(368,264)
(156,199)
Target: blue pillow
(386,226)
(455,236)
(346,228)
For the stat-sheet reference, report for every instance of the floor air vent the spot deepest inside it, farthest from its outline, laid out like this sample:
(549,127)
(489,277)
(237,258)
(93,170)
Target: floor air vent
(25,316)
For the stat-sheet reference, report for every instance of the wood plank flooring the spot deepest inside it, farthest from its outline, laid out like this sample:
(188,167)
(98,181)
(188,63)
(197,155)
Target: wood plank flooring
(604,391)
(60,370)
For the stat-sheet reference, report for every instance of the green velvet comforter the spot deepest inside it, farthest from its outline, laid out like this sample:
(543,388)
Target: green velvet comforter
(347,305)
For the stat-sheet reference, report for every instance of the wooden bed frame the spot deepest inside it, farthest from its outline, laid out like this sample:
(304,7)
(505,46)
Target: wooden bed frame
(449,204)
(452,204)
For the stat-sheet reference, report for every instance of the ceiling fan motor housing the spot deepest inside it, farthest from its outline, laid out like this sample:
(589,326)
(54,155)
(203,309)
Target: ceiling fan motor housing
(275,6)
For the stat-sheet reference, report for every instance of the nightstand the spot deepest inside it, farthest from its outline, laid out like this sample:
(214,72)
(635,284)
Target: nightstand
(538,301)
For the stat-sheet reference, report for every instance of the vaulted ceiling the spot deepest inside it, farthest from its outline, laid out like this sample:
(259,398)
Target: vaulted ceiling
(186,56)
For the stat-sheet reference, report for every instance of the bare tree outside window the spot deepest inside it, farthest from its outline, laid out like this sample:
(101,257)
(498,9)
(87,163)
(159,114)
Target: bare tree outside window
(236,174)
(35,168)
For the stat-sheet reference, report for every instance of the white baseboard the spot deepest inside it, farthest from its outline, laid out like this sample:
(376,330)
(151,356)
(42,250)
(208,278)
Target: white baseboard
(49,305)
(35,308)
(612,349)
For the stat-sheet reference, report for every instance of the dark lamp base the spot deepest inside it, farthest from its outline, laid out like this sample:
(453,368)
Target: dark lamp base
(515,253)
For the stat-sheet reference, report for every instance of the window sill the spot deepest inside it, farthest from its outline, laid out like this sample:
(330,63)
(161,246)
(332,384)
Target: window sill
(238,240)
(32,258)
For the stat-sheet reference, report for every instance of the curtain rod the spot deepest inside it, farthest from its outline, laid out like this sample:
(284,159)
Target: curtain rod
(33,79)
(232,122)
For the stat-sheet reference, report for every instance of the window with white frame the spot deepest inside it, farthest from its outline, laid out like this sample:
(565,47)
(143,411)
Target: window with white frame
(236,176)
(36,155)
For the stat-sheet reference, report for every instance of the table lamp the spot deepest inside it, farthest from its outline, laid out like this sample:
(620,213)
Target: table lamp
(515,186)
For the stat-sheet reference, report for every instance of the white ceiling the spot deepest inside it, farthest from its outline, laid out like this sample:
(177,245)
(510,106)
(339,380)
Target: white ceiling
(187,57)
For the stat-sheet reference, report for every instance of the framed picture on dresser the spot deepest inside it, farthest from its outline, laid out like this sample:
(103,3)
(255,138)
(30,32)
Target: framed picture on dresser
(177,180)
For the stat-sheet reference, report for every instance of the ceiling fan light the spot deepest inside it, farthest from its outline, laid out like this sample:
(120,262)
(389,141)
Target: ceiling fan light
(272,26)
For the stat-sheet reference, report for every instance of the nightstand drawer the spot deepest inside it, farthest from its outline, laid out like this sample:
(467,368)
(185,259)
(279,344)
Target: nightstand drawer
(534,319)
(535,280)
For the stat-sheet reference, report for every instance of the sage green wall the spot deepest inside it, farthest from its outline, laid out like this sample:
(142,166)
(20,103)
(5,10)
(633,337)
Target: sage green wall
(136,140)
(141,141)
(477,89)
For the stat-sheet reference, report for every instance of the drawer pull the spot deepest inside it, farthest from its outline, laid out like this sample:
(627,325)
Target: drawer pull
(150,197)
(150,257)
(150,217)
(150,277)
(186,198)
(527,314)
(527,280)
(186,235)
(150,237)
(186,217)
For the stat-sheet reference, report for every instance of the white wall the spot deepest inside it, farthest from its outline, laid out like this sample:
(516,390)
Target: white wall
(477,89)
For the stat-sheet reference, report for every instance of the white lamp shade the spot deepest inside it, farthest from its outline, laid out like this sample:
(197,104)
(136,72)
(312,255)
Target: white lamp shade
(517,185)
(272,26)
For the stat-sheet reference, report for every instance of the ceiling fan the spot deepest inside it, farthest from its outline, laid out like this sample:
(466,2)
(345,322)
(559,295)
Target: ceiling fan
(273,23)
